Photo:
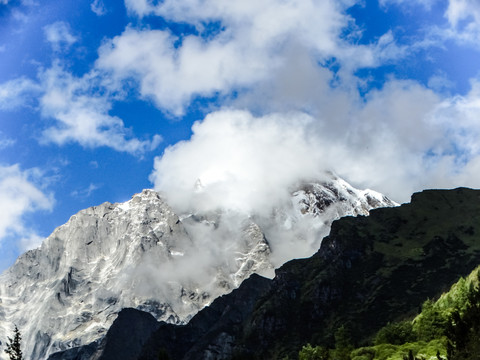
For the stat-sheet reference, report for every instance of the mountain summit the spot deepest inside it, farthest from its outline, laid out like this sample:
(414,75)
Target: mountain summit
(141,254)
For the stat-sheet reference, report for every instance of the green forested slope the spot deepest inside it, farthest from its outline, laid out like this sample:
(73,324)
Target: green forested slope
(448,328)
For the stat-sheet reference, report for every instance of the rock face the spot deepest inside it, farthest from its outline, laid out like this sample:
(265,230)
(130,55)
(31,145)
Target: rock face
(67,292)
(369,271)
(142,255)
(208,333)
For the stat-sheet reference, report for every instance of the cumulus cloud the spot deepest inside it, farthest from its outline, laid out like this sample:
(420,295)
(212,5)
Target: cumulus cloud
(79,108)
(459,117)
(459,10)
(239,162)
(408,138)
(59,35)
(19,195)
(250,43)
(82,115)
(171,77)
(402,139)
(463,17)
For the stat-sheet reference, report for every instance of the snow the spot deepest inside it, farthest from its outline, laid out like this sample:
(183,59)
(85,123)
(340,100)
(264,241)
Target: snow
(124,206)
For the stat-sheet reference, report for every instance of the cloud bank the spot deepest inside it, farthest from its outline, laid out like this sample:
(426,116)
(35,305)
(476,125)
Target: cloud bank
(404,138)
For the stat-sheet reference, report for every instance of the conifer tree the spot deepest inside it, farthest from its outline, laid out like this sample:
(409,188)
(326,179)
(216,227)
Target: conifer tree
(13,349)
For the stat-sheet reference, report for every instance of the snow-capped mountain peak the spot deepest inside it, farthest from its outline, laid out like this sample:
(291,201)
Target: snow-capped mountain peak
(142,254)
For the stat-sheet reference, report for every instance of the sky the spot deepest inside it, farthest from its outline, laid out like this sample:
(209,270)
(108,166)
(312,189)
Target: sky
(100,99)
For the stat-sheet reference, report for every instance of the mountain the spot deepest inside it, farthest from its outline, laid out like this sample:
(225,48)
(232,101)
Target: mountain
(369,271)
(141,254)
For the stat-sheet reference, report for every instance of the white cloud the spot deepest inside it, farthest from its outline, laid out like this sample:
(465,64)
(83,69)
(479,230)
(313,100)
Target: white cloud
(29,242)
(239,162)
(86,192)
(20,194)
(425,3)
(440,83)
(463,17)
(253,42)
(459,10)
(59,36)
(98,7)
(17,92)
(6,142)
(173,76)
(82,115)
(80,109)
(459,117)
(402,139)
(139,7)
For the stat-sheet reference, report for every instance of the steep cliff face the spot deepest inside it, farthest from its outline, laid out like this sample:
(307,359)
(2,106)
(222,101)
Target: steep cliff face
(141,254)
(67,291)
(369,270)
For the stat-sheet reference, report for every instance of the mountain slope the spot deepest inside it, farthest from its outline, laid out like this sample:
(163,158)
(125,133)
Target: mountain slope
(141,254)
(369,270)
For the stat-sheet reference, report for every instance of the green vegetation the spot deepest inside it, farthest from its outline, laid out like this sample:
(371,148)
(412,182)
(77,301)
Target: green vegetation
(395,333)
(448,328)
(416,350)
(13,349)
(314,353)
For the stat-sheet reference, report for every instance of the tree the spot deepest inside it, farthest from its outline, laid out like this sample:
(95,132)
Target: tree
(343,343)
(13,349)
(432,322)
(309,352)
(396,333)
(463,331)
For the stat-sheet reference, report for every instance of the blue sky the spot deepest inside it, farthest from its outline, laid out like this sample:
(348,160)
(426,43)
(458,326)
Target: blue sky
(98,99)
